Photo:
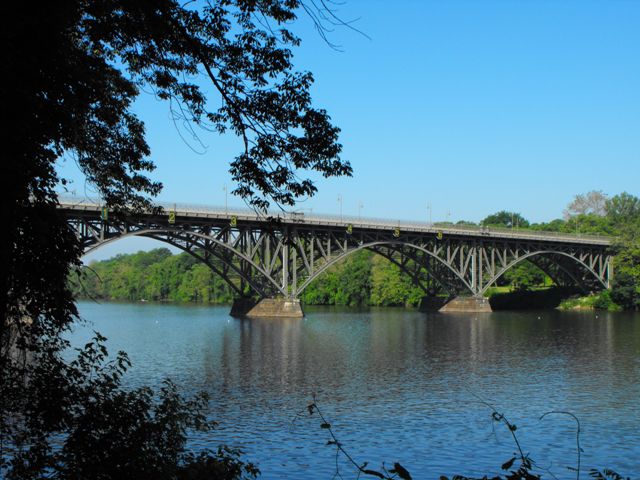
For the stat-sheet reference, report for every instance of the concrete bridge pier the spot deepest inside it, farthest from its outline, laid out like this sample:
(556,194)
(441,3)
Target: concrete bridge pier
(470,304)
(279,307)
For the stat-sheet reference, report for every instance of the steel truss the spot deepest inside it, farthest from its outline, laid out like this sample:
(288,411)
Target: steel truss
(270,257)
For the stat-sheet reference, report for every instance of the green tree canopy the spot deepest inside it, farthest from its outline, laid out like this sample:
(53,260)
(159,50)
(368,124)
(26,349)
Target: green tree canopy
(623,208)
(506,219)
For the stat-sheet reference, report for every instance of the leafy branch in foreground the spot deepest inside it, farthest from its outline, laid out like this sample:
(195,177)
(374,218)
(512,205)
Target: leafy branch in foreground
(89,426)
(518,467)
(398,471)
(228,67)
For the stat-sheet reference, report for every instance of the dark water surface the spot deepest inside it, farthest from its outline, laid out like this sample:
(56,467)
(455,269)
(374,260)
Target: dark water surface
(397,385)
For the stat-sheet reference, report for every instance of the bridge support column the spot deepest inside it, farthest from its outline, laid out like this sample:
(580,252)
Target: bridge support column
(267,308)
(475,304)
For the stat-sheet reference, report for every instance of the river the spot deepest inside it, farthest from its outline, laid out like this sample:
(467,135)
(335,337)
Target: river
(396,385)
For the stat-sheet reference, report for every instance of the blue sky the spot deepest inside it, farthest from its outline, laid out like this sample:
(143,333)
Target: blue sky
(470,106)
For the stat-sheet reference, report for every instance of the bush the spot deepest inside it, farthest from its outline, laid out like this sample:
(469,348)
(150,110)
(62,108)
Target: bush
(75,421)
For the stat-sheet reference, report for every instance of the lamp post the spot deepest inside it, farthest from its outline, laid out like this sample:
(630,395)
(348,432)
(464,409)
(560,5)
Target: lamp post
(429,210)
(226,212)
(340,202)
(360,205)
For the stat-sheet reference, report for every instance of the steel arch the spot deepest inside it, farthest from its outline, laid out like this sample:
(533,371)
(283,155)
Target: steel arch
(175,233)
(371,246)
(515,262)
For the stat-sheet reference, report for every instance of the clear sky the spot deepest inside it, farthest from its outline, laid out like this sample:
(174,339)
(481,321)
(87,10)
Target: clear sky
(471,106)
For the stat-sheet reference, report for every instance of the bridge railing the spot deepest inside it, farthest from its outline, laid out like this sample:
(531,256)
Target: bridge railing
(186,209)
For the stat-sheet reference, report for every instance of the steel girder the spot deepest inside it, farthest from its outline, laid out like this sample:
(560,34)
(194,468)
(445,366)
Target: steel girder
(275,258)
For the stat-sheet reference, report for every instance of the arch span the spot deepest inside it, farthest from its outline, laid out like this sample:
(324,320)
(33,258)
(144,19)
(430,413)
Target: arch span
(193,243)
(281,258)
(549,254)
(396,247)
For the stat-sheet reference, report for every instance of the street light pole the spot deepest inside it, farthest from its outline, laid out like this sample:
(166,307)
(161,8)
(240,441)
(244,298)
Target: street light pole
(226,212)
(360,205)
(340,202)
(429,210)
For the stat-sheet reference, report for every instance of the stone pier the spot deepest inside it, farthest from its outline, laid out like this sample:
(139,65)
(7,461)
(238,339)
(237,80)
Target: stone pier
(455,304)
(267,308)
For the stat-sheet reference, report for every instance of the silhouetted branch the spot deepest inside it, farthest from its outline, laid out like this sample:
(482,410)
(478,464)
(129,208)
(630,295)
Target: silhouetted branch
(577,434)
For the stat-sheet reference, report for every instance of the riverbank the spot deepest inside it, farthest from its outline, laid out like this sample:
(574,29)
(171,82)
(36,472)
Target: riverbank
(499,298)
(364,279)
(561,298)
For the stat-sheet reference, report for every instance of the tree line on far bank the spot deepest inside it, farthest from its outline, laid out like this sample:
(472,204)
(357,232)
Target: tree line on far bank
(368,279)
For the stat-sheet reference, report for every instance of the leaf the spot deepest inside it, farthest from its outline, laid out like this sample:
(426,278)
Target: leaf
(402,472)
(325,425)
(373,472)
(507,465)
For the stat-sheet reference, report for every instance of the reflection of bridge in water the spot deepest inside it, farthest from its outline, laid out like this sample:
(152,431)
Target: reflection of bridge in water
(278,257)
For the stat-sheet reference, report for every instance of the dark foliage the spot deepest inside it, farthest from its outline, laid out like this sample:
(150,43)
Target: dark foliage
(78,423)
(74,69)
(78,67)
(520,466)
(531,300)
(625,291)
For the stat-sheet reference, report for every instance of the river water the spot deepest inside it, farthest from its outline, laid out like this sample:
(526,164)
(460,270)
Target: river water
(395,384)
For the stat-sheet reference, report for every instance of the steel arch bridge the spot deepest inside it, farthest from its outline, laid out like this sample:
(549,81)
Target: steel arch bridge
(280,256)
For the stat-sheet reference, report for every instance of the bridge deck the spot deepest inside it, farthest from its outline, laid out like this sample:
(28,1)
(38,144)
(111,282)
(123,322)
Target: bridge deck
(197,213)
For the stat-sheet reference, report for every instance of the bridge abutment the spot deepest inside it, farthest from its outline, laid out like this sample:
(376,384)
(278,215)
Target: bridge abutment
(267,308)
(456,304)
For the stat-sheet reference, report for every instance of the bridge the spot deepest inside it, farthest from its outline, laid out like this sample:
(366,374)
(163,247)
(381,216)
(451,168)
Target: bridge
(273,258)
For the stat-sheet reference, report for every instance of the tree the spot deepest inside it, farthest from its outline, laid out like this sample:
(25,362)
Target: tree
(625,291)
(77,67)
(506,219)
(78,78)
(592,202)
(524,276)
(625,288)
(105,432)
(623,208)
(390,287)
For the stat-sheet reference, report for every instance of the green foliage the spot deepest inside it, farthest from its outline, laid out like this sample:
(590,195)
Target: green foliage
(625,288)
(598,301)
(623,208)
(390,287)
(505,219)
(604,301)
(81,66)
(363,279)
(625,291)
(466,223)
(156,275)
(100,430)
(524,275)
(347,283)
